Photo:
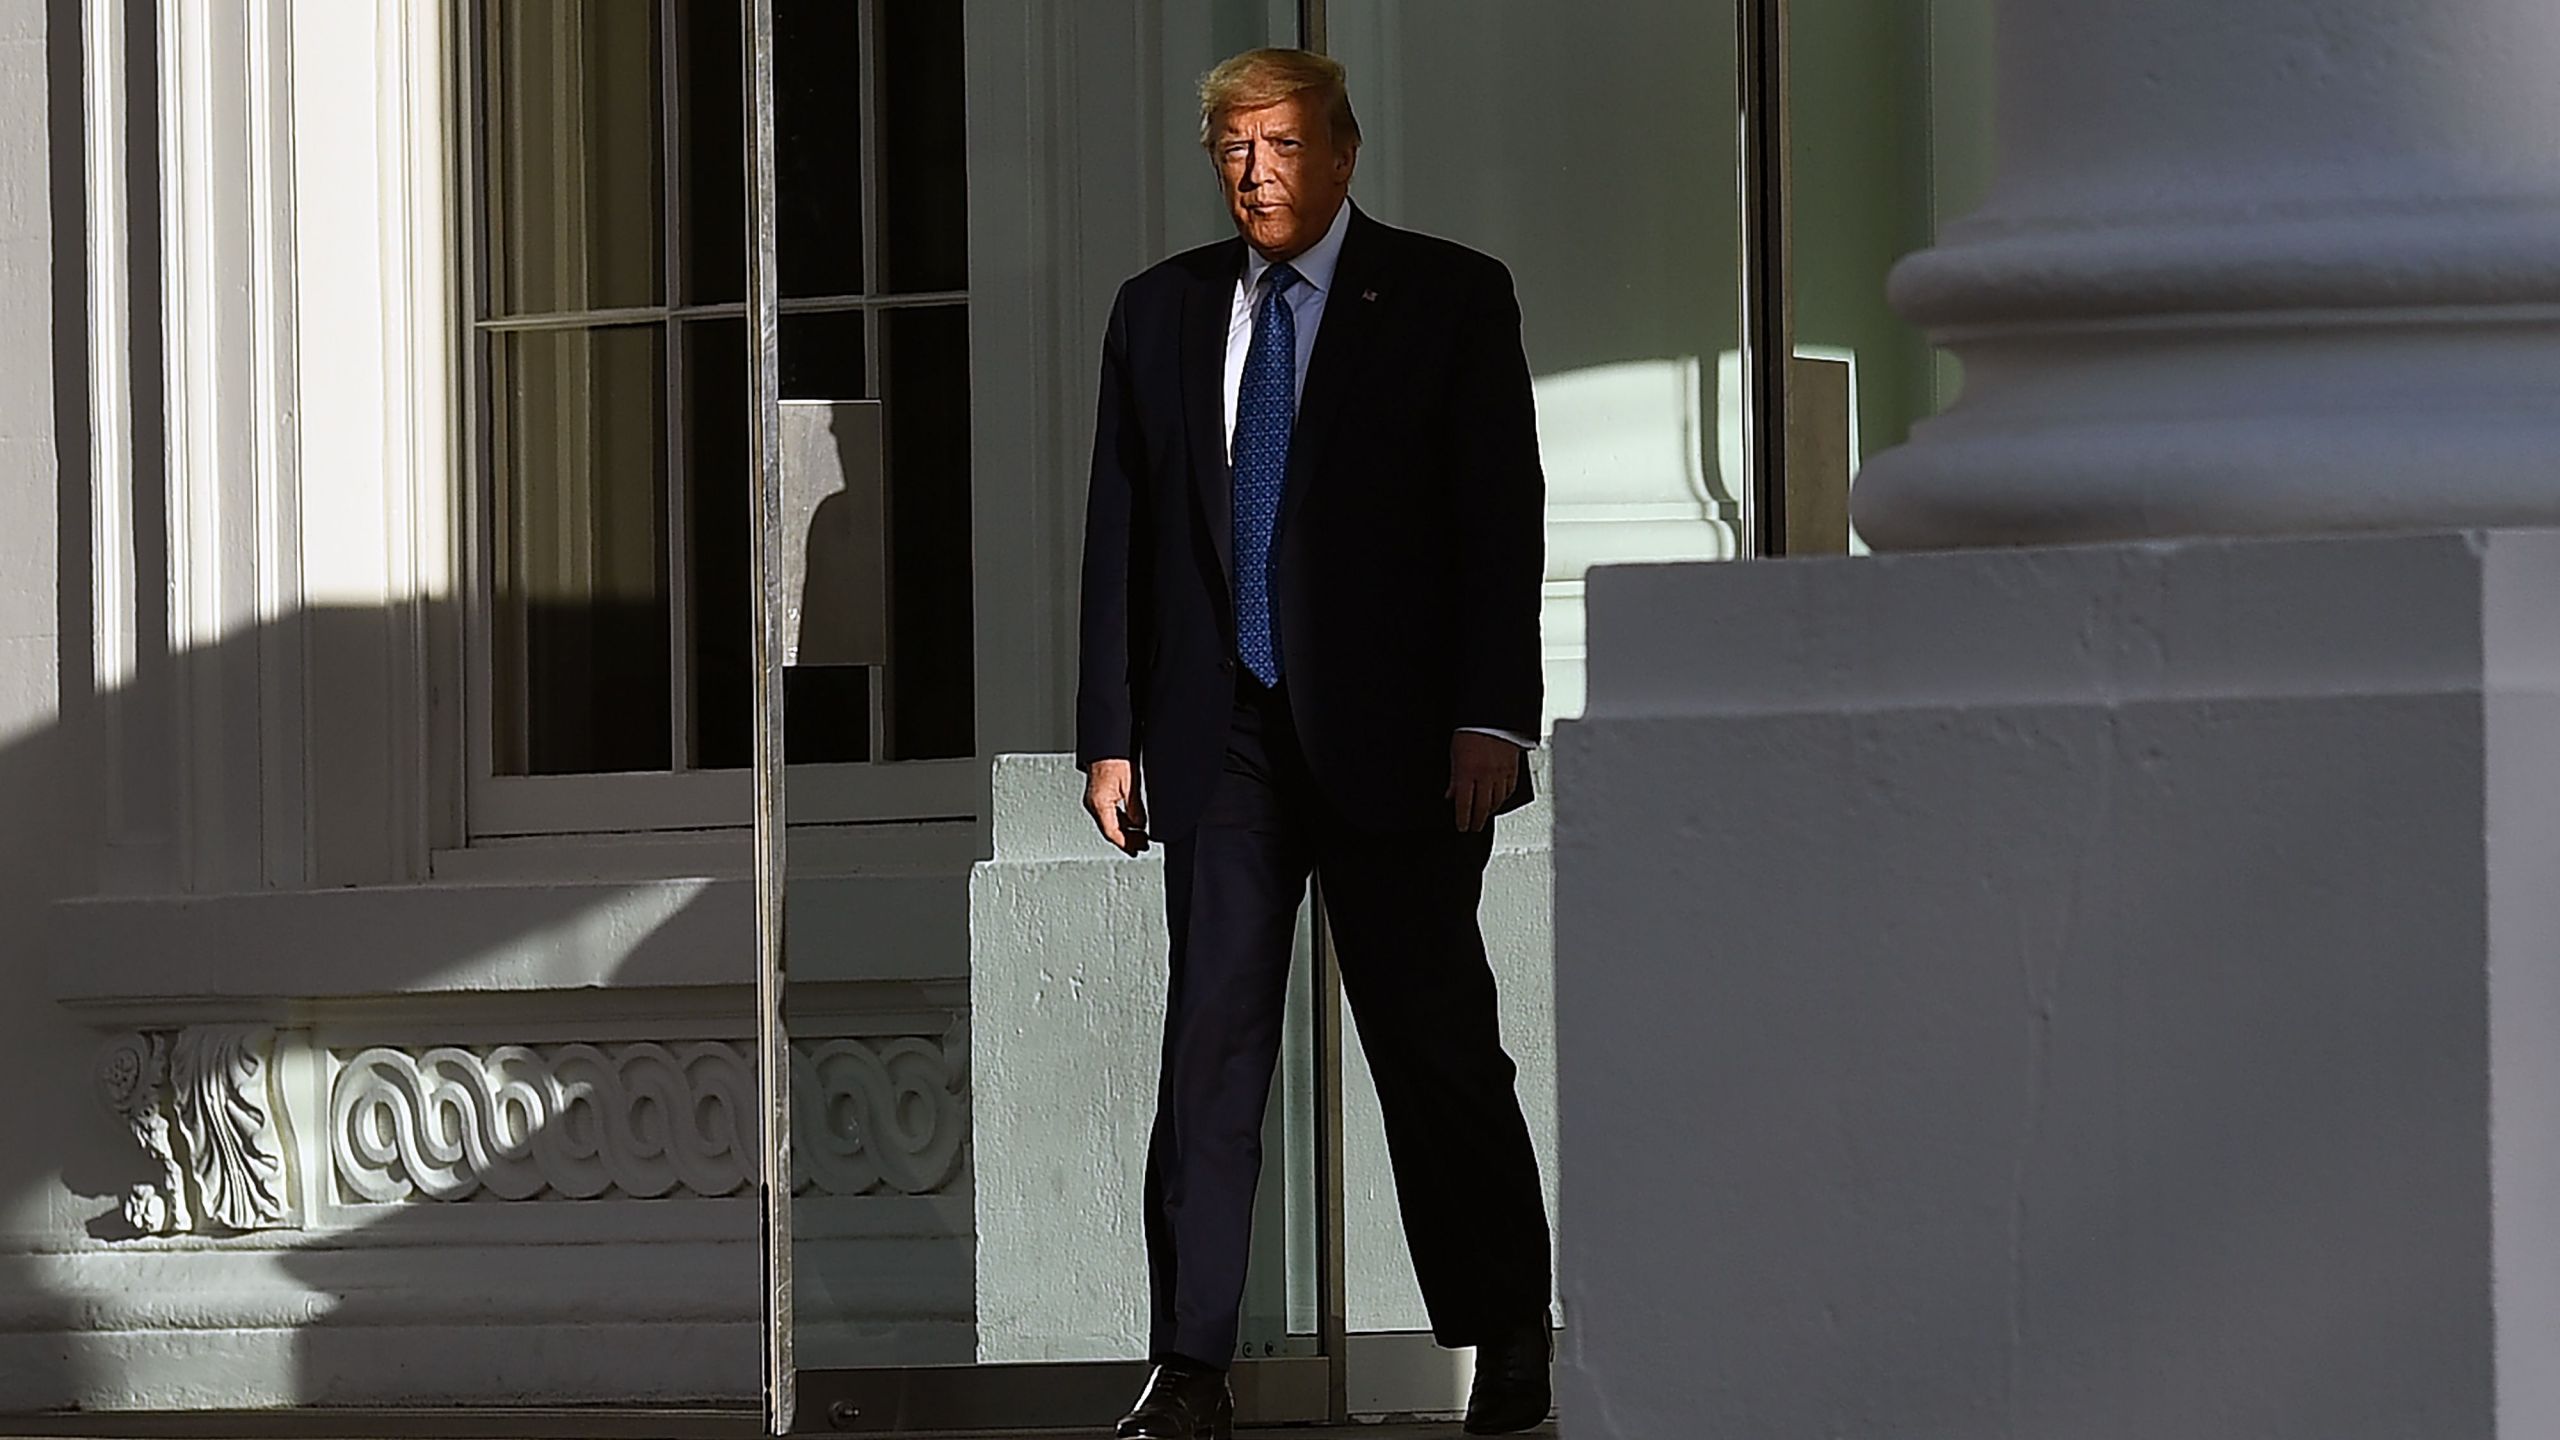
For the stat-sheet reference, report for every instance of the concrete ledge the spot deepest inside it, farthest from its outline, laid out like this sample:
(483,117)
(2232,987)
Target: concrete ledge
(127,957)
(2091,992)
(396,1313)
(2114,623)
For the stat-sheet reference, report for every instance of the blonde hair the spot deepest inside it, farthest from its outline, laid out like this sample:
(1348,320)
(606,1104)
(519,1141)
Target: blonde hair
(1258,78)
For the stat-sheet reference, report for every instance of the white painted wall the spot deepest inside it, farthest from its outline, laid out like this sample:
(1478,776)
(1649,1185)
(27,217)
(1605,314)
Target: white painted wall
(1066,997)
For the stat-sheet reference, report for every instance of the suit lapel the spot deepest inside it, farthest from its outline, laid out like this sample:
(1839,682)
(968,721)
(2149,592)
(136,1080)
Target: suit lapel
(1207,309)
(1351,312)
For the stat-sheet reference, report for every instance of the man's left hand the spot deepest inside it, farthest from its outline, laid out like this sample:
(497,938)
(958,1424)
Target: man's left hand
(1483,771)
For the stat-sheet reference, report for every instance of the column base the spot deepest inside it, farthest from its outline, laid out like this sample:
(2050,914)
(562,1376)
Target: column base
(2091,992)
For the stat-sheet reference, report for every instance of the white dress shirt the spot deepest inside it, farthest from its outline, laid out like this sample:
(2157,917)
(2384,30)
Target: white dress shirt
(1306,301)
(1306,306)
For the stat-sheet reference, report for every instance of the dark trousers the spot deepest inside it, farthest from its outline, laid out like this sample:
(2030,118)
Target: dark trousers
(1403,909)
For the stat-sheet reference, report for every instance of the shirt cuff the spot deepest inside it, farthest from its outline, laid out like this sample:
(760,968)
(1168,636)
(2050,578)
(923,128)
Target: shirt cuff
(1523,741)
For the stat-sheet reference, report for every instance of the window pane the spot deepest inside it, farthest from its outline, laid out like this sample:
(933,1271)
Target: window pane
(817,102)
(827,711)
(932,682)
(826,714)
(719,536)
(580,662)
(924,175)
(574,174)
(822,356)
(711,194)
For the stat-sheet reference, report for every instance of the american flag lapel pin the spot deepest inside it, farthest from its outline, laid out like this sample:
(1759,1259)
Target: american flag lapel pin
(1368,294)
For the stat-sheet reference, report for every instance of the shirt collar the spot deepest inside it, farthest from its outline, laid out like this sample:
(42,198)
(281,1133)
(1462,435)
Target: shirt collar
(1315,267)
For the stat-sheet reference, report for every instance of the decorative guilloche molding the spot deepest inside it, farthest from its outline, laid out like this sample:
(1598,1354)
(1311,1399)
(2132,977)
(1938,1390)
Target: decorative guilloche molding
(199,1104)
(880,1114)
(617,1120)
(640,1120)
(571,1121)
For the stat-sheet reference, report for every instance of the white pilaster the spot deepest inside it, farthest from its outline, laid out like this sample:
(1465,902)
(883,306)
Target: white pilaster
(233,656)
(2247,268)
(137,792)
(375,400)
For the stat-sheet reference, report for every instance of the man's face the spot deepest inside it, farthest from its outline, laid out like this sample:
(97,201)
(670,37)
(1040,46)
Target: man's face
(1284,176)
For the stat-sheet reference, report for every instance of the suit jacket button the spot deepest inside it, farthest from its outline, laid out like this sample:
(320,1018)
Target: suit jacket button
(1226,667)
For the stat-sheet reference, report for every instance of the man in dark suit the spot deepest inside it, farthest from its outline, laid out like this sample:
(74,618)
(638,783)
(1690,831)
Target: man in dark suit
(1311,583)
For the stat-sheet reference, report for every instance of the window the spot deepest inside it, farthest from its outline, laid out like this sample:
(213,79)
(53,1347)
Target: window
(610,352)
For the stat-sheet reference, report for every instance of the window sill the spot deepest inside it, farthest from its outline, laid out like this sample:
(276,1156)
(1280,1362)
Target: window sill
(815,849)
(512,806)
(280,955)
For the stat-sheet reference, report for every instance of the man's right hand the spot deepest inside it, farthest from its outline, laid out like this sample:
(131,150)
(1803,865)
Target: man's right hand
(1111,798)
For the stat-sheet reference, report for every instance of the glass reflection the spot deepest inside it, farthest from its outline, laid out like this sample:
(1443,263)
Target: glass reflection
(1613,199)
(580,575)
(1890,124)
(820,170)
(924,241)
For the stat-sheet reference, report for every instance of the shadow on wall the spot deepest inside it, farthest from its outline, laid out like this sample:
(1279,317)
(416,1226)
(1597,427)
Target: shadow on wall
(94,1311)
(47,822)
(98,1311)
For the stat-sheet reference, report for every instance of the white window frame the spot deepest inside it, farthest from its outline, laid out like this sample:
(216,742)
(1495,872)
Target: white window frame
(898,795)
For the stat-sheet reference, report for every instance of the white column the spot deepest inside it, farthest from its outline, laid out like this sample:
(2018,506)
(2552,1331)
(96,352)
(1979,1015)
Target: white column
(2248,268)
(2107,991)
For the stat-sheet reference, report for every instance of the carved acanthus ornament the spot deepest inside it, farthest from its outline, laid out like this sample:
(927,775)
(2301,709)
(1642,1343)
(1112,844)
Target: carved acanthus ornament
(197,1101)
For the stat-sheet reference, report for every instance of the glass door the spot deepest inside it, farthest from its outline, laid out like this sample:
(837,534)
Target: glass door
(974,982)
(969,982)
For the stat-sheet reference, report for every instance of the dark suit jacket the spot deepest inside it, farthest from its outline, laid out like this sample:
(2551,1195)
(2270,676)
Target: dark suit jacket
(1410,544)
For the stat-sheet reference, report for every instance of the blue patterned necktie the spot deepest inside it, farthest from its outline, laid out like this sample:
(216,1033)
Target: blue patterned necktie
(1266,409)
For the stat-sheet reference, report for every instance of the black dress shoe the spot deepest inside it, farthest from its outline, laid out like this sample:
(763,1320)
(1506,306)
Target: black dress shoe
(1512,1391)
(1182,1402)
